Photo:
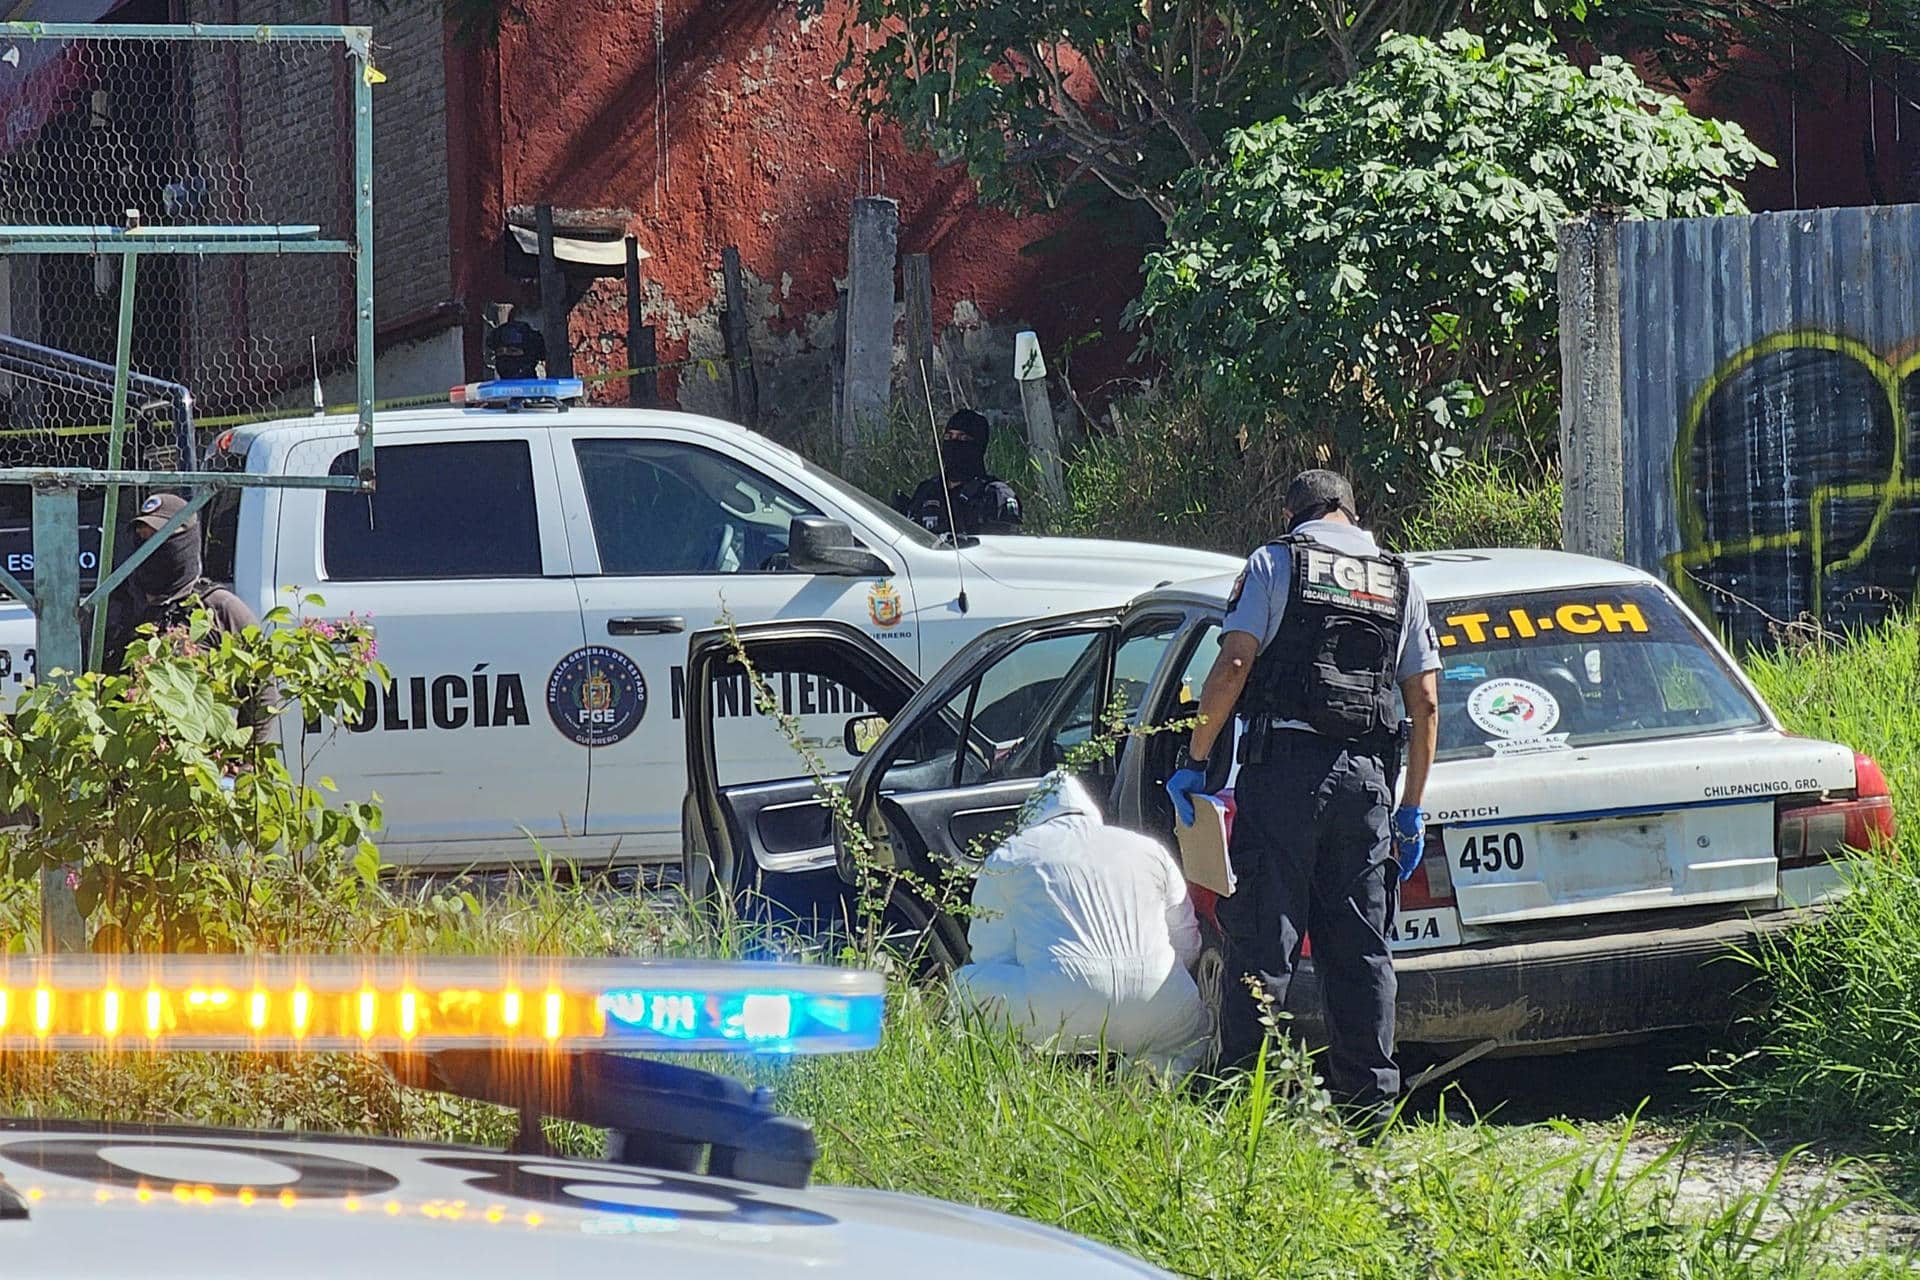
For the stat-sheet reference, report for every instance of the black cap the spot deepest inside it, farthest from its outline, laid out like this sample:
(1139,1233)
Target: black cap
(160,508)
(971,424)
(1314,493)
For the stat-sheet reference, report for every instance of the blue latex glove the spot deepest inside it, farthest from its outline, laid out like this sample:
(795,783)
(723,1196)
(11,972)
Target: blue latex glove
(1409,837)
(1183,786)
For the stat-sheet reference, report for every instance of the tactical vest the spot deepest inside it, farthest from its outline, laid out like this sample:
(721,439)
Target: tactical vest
(1331,664)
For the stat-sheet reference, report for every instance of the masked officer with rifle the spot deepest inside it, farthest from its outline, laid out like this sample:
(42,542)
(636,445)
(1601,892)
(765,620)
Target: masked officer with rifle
(1321,628)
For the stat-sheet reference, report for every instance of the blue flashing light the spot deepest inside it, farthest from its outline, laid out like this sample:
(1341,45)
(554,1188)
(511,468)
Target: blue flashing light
(513,393)
(754,1021)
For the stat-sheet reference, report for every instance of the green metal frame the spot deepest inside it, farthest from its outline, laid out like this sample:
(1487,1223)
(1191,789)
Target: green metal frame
(55,598)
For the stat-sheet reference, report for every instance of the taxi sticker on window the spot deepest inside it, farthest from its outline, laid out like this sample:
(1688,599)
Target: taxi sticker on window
(1508,708)
(1537,621)
(1504,747)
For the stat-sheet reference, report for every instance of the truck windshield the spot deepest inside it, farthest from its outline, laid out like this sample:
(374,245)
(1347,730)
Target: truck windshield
(1578,667)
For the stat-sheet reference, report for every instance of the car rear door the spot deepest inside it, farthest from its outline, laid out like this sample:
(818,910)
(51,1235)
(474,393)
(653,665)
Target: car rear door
(742,824)
(460,557)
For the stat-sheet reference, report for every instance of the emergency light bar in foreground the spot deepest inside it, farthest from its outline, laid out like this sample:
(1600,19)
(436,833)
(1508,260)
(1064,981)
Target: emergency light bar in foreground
(335,1003)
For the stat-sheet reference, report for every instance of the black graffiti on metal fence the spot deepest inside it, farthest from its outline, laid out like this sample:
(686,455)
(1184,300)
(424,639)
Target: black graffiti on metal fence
(1794,489)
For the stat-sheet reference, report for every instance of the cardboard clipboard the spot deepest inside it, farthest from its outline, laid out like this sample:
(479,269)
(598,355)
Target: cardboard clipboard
(1203,847)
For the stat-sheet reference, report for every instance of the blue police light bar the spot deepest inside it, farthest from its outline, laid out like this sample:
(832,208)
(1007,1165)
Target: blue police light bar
(512,393)
(393,1005)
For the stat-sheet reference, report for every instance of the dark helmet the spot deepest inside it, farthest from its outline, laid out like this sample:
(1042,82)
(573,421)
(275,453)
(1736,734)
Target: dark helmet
(515,349)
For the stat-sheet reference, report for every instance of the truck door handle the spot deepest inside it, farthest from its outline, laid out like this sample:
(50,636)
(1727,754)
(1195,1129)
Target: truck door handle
(656,626)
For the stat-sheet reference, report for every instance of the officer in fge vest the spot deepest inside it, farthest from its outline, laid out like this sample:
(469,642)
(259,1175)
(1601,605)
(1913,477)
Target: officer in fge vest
(1321,630)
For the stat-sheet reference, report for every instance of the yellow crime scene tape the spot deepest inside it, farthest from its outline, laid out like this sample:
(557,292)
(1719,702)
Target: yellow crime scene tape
(710,365)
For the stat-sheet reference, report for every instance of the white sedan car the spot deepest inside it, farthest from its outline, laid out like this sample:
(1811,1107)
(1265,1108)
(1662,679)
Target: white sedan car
(1612,807)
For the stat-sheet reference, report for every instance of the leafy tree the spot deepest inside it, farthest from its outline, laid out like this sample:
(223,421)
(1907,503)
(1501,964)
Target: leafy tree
(1382,266)
(1036,97)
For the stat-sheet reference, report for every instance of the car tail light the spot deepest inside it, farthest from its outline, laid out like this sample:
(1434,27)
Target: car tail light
(1808,834)
(1431,884)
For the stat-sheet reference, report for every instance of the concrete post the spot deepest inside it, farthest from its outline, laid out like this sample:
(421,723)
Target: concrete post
(1043,438)
(916,281)
(1593,517)
(872,246)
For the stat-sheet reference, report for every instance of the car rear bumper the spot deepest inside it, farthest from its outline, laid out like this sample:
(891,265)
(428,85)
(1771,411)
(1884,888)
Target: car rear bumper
(1568,989)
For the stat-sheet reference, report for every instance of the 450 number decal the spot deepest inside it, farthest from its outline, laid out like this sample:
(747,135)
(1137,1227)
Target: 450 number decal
(1493,851)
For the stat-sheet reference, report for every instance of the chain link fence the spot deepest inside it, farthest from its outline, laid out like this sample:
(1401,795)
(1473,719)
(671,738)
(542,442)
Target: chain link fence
(157,133)
(165,128)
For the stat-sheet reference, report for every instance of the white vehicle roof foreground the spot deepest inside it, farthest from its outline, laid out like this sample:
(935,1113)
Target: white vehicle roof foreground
(1476,571)
(84,1201)
(542,1036)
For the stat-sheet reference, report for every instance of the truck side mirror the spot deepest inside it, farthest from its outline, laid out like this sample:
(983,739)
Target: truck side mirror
(862,732)
(817,544)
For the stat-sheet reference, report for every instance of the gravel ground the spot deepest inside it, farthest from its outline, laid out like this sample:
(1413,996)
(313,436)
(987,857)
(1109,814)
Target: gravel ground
(1600,1091)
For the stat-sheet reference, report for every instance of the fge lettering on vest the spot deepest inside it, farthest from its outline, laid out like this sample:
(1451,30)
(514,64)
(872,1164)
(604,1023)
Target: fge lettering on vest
(1367,579)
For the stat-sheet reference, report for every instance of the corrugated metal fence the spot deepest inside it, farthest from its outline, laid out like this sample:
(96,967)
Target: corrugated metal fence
(1766,400)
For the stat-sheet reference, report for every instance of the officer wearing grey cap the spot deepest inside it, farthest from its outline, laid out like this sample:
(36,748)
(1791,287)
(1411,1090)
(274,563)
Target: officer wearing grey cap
(1323,629)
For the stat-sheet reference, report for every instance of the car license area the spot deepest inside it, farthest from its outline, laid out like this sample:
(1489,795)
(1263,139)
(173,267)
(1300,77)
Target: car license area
(1423,930)
(1562,868)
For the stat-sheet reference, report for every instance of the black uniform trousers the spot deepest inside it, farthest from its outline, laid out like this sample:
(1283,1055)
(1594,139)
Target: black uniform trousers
(1312,854)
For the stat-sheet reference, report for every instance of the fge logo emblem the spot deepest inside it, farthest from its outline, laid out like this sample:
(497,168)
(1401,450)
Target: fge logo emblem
(1367,582)
(596,696)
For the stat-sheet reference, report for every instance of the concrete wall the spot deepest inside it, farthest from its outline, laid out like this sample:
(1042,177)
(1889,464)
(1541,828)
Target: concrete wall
(1769,413)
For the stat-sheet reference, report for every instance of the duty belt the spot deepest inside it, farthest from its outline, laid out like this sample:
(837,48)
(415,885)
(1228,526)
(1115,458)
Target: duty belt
(1256,743)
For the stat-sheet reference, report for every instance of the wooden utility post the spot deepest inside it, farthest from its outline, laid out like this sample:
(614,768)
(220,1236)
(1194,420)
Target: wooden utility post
(916,281)
(873,239)
(746,388)
(553,299)
(1043,438)
(643,385)
(839,357)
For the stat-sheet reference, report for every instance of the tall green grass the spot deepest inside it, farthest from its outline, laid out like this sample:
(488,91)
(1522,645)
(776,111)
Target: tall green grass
(1252,1178)
(1833,1051)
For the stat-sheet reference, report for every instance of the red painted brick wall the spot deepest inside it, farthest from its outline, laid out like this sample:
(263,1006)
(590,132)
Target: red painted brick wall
(763,149)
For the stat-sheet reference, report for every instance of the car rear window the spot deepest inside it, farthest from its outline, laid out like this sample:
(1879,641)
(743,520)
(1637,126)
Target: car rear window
(460,509)
(1547,670)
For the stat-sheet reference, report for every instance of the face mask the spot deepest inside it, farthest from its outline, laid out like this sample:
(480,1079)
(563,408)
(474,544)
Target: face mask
(964,459)
(172,568)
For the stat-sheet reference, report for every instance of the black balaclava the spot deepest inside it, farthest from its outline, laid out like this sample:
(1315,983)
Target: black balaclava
(174,566)
(965,459)
(1316,493)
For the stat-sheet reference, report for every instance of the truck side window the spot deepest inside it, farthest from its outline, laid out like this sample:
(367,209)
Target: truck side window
(661,507)
(456,510)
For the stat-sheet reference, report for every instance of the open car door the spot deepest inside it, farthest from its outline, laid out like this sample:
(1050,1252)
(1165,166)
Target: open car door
(947,779)
(754,813)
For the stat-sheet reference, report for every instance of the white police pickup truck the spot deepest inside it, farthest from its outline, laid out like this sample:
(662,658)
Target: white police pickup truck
(532,577)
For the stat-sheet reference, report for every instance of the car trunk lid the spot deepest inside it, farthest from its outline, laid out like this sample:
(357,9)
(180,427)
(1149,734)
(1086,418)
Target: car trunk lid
(1623,827)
